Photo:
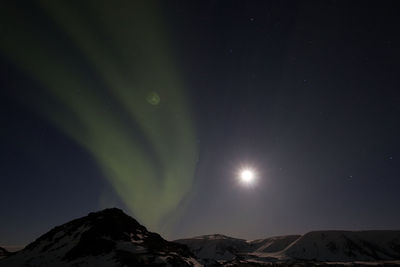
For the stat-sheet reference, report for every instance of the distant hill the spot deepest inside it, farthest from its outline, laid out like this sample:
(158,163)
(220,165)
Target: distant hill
(212,248)
(273,244)
(346,246)
(313,248)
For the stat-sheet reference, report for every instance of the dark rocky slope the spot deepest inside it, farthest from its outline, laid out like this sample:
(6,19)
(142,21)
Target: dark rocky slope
(105,238)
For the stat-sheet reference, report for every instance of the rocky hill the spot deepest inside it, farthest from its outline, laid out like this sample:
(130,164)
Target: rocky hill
(105,238)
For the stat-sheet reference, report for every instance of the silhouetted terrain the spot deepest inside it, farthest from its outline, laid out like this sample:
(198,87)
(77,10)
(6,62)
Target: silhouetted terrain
(105,238)
(4,253)
(112,238)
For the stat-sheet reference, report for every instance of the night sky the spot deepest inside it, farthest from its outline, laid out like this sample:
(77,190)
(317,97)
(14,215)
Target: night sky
(155,107)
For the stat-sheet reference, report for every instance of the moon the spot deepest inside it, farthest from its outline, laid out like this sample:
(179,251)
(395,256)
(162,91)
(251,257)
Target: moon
(247,176)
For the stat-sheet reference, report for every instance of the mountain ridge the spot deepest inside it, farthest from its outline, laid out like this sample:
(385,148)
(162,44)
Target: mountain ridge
(312,247)
(112,238)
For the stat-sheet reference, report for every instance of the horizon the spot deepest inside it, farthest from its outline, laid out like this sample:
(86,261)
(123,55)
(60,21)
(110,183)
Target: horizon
(14,248)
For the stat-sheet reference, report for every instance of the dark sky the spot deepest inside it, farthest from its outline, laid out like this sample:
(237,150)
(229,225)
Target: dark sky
(304,92)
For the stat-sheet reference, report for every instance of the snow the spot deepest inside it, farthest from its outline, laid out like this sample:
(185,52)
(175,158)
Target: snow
(346,246)
(273,244)
(324,246)
(215,247)
(75,244)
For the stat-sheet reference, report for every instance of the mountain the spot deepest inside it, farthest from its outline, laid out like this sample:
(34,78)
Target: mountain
(273,244)
(225,250)
(105,238)
(346,246)
(313,248)
(112,238)
(211,248)
(4,253)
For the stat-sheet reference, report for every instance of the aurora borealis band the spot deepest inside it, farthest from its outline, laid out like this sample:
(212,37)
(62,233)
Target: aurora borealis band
(109,82)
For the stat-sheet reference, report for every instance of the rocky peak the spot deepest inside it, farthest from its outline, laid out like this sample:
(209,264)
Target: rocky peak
(107,235)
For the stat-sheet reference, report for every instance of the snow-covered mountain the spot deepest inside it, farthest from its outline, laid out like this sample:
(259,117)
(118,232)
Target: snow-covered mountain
(345,246)
(273,244)
(105,238)
(211,248)
(311,248)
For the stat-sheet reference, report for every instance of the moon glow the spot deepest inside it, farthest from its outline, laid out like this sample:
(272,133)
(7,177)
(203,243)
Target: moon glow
(246,176)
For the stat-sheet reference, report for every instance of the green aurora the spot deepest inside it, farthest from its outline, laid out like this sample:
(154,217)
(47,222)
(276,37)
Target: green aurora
(147,146)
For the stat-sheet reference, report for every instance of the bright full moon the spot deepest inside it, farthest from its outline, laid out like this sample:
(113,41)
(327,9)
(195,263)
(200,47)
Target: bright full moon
(247,176)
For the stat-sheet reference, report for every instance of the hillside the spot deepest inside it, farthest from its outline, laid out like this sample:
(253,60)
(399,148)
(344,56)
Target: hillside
(313,248)
(346,246)
(105,238)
